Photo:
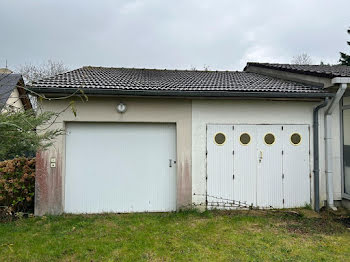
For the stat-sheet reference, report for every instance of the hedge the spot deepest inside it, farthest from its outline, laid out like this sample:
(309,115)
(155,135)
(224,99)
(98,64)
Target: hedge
(17,185)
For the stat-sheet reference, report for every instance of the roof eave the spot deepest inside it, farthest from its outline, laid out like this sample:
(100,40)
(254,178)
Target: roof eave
(177,93)
(319,74)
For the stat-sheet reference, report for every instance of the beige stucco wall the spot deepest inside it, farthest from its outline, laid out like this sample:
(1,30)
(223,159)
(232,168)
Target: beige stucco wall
(50,181)
(14,101)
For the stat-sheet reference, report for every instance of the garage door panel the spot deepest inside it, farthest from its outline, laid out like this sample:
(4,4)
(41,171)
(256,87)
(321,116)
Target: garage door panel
(245,155)
(220,168)
(120,168)
(269,176)
(296,168)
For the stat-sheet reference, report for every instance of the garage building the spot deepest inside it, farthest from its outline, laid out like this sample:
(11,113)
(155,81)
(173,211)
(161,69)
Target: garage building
(152,140)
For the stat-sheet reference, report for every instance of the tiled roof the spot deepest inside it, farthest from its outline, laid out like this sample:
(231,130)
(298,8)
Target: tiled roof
(170,82)
(328,71)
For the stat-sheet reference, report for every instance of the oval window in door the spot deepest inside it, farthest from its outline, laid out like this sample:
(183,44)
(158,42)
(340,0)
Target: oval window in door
(220,138)
(244,139)
(269,139)
(295,139)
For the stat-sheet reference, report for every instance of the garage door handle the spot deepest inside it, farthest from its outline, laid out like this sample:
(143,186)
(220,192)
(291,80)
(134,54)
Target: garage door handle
(261,156)
(171,162)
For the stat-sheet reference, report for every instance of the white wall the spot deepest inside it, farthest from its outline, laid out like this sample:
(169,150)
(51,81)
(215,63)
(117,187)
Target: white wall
(256,112)
(336,143)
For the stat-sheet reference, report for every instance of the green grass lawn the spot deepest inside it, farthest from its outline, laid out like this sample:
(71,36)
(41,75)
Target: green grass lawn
(183,236)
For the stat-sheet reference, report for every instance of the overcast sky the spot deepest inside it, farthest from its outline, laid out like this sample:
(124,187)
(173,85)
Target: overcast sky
(180,34)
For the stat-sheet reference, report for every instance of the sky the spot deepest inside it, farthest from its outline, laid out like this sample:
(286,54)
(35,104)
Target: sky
(181,34)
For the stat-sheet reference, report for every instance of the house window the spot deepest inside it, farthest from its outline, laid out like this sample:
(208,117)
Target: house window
(220,138)
(346,101)
(346,146)
(269,139)
(244,139)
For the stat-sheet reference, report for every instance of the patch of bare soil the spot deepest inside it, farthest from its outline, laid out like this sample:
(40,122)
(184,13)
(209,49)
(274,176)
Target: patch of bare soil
(301,221)
(345,221)
(325,222)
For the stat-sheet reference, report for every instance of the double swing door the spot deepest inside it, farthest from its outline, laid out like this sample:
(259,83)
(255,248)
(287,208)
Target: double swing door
(265,166)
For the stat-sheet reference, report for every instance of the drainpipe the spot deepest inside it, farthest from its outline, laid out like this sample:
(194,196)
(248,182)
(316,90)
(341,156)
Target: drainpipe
(328,143)
(317,154)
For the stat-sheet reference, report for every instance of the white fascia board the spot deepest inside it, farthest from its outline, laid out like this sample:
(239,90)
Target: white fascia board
(341,80)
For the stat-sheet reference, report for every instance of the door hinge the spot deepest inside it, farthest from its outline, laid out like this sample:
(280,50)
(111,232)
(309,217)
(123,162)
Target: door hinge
(233,127)
(206,152)
(282,127)
(233,176)
(310,175)
(282,152)
(283,201)
(282,176)
(233,152)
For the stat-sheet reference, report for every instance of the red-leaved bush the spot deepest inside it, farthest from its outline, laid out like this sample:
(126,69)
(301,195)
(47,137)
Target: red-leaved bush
(17,185)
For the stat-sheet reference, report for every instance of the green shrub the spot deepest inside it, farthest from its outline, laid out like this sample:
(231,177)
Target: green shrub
(22,133)
(17,185)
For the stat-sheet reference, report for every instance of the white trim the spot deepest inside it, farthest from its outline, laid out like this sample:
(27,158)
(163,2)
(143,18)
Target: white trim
(341,80)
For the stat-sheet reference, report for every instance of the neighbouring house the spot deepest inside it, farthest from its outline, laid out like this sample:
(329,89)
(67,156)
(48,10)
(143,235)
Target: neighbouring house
(272,136)
(12,93)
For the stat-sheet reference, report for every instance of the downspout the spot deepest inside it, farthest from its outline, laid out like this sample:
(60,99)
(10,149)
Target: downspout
(328,142)
(317,154)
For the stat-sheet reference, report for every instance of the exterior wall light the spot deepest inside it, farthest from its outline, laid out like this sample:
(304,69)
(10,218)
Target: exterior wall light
(121,107)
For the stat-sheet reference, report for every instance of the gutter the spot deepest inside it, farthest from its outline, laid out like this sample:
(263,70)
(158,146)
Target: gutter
(342,81)
(178,93)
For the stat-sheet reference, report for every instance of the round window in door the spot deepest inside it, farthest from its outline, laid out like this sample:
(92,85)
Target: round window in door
(220,138)
(295,139)
(244,139)
(269,139)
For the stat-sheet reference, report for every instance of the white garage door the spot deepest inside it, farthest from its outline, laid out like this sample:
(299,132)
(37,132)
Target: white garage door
(120,167)
(259,165)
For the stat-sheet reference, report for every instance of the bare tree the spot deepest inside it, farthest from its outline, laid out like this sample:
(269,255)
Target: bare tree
(206,68)
(32,72)
(302,59)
